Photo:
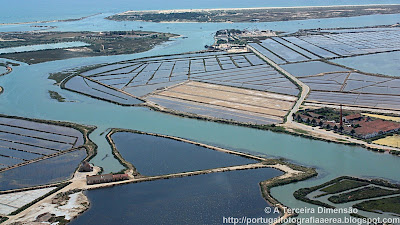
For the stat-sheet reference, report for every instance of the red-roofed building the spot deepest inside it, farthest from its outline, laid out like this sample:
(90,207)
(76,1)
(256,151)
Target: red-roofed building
(352,117)
(372,128)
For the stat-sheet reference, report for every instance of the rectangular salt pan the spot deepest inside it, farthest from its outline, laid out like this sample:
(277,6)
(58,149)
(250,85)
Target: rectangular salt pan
(267,53)
(283,51)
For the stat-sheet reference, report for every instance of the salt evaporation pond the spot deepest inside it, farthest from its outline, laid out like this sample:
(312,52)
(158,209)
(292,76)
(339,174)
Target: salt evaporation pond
(311,68)
(202,199)
(43,172)
(27,88)
(389,63)
(153,155)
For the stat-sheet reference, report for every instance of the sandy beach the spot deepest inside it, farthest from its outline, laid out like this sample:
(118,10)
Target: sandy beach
(253,8)
(48,21)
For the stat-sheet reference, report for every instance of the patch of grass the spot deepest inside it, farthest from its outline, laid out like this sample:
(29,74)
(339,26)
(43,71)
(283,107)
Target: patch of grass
(302,193)
(390,140)
(100,44)
(58,77)
(341,140)
(343,185)
(390,205)
(55,95)
(300,131)
(64,196)
(392,118)
(364,193)
(58,220)
(9,63)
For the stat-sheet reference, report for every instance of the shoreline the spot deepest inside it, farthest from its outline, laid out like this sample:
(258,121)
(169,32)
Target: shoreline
(251,8)
(256,14)
(81,44)
(292,173)
(50,21)
(285,128)
(194,10)
(279,128)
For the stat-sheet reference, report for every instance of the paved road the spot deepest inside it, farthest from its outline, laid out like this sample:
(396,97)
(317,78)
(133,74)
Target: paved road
(305,88)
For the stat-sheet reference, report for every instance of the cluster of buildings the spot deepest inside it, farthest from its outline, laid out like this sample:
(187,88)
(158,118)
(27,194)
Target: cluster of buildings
(366,127)
(106,178)
(257,33)
(227,40)
(233,40)
(103,178)
(354,124)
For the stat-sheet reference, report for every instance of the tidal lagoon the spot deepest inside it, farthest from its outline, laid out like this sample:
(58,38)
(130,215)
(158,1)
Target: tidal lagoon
(26,94)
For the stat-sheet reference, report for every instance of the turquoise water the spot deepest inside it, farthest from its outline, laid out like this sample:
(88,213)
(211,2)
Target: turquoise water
(26,94)
(30,48)
(389,63)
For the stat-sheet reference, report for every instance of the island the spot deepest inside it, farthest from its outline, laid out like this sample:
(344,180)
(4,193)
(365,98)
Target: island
(264,14)
(37,47)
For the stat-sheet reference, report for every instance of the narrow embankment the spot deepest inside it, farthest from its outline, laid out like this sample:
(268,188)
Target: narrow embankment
(292,173)
(305,90)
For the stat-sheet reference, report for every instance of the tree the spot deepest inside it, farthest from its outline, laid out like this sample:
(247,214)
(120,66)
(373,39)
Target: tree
(313,121)
(308,120)
(335,127)
(328,126)
(320,123)
(352,131)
